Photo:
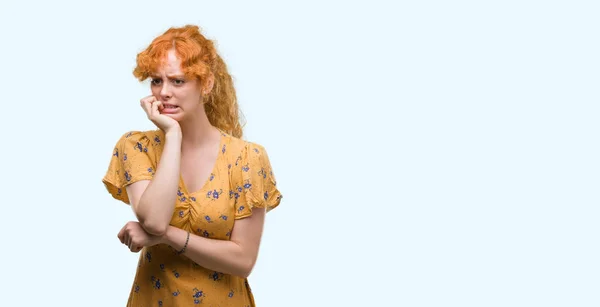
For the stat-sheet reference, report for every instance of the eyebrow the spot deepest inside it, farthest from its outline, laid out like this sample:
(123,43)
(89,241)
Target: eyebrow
(169,76)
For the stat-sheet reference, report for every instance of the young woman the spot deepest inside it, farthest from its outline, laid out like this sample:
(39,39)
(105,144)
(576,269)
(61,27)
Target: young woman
(200,193)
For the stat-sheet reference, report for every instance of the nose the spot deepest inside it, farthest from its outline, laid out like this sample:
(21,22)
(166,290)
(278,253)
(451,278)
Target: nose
(165,91)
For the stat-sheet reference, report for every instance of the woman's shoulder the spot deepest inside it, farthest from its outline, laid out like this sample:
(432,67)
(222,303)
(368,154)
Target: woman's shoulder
(145,142)
(241,147)
(142,137)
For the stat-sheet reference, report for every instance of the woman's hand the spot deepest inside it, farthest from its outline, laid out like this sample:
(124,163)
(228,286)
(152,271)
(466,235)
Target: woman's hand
(135,237)
(152,107)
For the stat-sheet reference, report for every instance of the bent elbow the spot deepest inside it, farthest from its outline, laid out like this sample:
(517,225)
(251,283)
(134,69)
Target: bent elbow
(247,268)
(151,224)
(154,228)
(244,273)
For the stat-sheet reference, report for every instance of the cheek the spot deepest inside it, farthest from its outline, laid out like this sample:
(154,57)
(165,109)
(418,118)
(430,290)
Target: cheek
(155,90)
(190,105)
(189,92)
(190,99)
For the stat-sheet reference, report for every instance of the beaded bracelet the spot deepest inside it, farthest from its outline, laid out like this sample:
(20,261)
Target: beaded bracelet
(185,245)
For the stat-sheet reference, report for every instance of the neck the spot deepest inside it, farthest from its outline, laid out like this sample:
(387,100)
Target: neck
(197,132)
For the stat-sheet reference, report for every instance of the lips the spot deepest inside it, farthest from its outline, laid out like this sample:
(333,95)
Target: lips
(169,109)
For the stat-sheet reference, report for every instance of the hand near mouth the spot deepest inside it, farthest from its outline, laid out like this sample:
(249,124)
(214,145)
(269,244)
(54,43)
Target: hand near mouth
(154,109)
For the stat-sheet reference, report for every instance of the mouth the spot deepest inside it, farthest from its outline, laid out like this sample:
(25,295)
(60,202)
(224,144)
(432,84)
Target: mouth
(169,109)
(170,106)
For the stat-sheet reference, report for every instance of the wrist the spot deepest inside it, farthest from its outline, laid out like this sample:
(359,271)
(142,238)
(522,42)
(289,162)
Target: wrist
(173,133)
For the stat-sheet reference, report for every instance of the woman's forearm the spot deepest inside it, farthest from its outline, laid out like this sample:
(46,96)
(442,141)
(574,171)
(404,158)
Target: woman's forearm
(222,256)
(155,207)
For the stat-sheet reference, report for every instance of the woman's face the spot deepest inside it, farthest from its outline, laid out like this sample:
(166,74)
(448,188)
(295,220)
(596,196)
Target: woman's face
(180,97)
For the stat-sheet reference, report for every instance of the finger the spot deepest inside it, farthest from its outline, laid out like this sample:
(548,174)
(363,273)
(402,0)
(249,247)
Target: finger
(125,240)
(121,234)
(147,106)
(136,248)
(146,103)
(133,245)
(147,99)
(155,106)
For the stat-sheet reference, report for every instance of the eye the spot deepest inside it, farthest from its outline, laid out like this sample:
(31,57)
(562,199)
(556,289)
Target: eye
(179,81)
(155,81)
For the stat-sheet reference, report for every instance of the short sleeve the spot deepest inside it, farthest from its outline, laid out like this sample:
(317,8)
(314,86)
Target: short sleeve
(132,160)
(255,184)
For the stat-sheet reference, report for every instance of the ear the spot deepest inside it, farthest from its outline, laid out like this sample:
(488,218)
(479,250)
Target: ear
(208,86)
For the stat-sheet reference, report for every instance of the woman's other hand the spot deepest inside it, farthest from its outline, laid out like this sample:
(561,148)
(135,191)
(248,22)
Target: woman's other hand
(135,237)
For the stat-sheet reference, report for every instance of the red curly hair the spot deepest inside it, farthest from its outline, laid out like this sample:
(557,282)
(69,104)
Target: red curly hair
(199,60)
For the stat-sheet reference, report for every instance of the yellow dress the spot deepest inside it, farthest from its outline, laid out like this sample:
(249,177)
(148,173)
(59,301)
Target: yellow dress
(240,180)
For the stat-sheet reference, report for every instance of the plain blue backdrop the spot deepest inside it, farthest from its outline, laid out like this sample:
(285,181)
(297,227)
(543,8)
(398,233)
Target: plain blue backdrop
(431,153)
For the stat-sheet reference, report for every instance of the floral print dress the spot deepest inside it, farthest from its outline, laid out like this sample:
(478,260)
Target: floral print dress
(242,179)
